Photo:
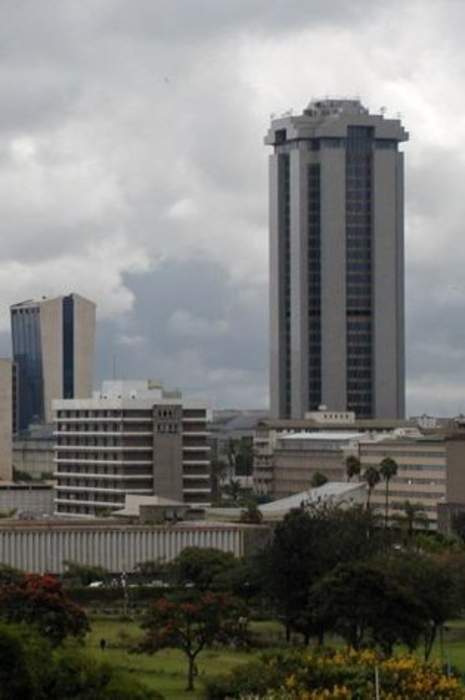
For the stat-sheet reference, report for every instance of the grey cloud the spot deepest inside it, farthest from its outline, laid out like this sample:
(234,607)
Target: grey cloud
(145,185)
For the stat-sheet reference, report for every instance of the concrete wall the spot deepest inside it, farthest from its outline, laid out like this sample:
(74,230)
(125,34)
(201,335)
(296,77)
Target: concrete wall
(455,475)
(167,452)
(31,498)
(6,426)
(34,456)
(40,548)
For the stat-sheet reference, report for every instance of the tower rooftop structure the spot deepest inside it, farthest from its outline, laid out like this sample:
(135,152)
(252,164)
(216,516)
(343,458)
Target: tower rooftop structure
(330,118)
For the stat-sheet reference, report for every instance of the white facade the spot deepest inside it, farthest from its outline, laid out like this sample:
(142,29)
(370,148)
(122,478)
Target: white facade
(131,437)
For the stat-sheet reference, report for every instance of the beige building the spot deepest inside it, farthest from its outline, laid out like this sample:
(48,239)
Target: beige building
(273,456)
(6,419)
(431,471)
(297,457)
(53,348)
(130,438)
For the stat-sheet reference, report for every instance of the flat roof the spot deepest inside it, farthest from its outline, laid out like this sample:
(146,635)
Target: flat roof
(323,435)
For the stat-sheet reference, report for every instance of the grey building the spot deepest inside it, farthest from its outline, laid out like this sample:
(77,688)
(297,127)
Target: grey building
(337,262)
(53,348)
(132,437)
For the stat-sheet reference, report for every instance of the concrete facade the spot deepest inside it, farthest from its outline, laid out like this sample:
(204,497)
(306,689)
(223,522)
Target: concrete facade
(53,348)
(26,498)
(40,548)
(6,419)
(336,262)
(131,437)
(298,457)
(34,451)
(269,456)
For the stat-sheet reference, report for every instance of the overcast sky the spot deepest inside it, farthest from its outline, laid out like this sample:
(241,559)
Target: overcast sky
(133,171)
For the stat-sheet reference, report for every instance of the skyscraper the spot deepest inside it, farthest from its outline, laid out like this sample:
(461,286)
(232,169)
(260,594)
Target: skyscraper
(53,348)
(337,261)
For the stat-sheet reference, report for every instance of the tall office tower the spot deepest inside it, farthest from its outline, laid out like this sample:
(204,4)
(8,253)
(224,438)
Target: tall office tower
(132,437)
(337,262)
(53,348)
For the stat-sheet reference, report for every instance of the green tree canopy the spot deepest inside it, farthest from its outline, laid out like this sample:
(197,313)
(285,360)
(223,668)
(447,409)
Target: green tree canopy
(40,601)
(318,479)
(363,603)
(200,566)
(191,625)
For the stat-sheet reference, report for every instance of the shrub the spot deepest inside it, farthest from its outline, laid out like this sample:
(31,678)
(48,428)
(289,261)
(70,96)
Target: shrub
(335,675)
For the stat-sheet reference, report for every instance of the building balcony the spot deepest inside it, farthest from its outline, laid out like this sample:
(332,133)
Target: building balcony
(113,477)
(196,490)
(105,448)
(122,462)
(103,433)
(101,489)
(98,504)
(196,448)
(196,476)
(195,462)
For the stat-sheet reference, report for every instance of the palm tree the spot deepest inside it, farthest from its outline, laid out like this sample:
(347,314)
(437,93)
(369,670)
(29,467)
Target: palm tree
(388,469)
(413,514)
(372,477)
(352,466)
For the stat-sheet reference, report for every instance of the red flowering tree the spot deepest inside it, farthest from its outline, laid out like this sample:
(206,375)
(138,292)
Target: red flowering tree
(41,601)
(191,626)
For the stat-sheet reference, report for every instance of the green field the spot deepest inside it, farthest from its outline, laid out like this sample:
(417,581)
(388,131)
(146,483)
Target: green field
(165,671)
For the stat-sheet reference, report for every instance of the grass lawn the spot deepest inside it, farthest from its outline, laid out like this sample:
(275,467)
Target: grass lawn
(165,671)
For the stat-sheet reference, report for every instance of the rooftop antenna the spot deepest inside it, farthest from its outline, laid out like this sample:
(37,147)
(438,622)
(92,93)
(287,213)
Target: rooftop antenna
(114,366)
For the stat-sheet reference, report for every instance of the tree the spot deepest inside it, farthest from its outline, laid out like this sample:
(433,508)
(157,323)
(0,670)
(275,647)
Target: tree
(25,660)
(41,602)
(307,545)
(318,479)
(8,574)
(412,515)
(363,603)
(191,626)
(435,582)
(353,467)
(201,566)
(388,470)
(458,524)
(234,490)
(251,514)
(83,574)
(372,477)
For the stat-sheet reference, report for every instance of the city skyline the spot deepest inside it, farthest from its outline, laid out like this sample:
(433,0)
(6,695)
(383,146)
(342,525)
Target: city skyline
(145,187)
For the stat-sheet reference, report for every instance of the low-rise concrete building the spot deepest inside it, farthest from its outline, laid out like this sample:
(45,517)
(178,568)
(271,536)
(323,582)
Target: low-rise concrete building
(297,457)
(340,494)
(271,457)
(44,547)
(431,471)
(34,451)
(130,438)
(26,500)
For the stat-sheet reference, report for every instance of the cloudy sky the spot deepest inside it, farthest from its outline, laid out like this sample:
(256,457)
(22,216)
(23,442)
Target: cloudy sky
(133,171)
